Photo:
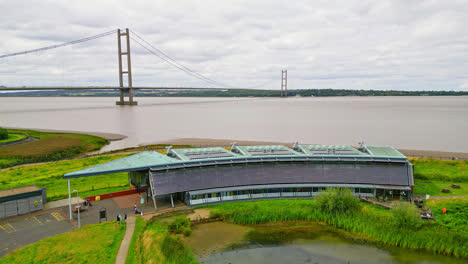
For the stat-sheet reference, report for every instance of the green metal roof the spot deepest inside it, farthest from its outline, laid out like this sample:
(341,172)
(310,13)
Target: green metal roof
(384,151)
(142,160)
(181,153)
(145,160)
(307,149)
(245,150)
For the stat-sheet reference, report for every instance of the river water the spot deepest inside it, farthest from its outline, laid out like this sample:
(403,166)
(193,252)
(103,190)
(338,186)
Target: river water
(424,123)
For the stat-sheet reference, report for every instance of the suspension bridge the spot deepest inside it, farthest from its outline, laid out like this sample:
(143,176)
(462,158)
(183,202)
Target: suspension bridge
(124,38)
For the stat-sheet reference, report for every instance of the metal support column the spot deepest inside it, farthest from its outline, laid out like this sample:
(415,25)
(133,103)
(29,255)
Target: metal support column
(69,200)
(153,195)
(284,83)
(129,89)
(172,201)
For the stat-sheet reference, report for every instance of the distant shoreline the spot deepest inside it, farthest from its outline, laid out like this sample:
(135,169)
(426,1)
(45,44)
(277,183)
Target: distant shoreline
(209,92)
(211,142)
(108,136)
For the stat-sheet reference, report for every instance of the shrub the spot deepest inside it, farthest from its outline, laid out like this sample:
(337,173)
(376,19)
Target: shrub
(338,200)
(406,216)
(180,225)
(3,133)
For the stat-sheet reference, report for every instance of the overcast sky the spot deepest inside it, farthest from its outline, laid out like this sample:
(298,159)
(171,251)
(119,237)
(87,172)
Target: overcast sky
(401,45)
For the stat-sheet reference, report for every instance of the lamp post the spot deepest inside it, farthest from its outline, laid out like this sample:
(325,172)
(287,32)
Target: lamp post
(78,208)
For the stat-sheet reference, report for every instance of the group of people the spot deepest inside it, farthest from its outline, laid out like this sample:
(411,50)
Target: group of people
(135,209)
(86,202)
(119,218)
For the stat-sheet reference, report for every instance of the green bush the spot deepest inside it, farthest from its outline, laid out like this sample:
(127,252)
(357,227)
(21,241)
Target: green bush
(406,216)
(338,200)
(180,225)
(3,133)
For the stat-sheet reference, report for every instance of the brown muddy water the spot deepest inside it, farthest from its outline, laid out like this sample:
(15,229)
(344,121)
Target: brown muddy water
(290,243)
(422,123)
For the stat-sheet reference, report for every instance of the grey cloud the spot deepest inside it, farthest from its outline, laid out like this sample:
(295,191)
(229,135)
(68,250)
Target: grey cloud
(350,44)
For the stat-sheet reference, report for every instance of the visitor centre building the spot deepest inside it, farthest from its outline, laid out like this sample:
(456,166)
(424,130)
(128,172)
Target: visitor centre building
(216,174)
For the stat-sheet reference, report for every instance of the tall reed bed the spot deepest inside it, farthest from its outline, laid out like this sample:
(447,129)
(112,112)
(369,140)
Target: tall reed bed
(156,244)
(368,222)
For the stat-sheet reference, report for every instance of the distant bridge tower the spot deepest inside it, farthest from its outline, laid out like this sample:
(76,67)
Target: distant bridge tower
(125,90)
(284,83)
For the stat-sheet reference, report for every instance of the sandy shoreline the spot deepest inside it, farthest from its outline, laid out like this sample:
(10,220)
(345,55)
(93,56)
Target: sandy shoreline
(108,136)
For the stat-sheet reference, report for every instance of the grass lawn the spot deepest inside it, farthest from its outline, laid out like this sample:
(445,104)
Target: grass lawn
(440,170)
(12,137)
(457,213)
(432,175)
(50,146)
(50,174)
(434,188)
(97,243)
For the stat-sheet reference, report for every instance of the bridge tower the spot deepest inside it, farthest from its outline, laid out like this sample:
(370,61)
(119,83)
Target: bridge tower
(125,90)
(284,83)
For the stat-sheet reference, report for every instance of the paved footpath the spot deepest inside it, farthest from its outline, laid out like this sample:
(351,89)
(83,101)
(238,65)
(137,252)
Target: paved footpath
(123,250)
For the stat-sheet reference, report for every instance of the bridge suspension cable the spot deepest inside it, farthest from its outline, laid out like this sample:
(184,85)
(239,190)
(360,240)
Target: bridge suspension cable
(174,63)
(59,45)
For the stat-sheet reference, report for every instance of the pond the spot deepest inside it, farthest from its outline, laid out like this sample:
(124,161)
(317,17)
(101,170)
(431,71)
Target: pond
(300,242)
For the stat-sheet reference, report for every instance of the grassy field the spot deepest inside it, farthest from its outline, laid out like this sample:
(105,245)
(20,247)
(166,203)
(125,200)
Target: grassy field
(13,137)
(372,223)
(457,213)
(432,175)
(440,170)
(434,188)
(50,174)
(49,146)
(97,243)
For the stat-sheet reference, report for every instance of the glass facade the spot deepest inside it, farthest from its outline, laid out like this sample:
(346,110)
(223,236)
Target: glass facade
(267,193)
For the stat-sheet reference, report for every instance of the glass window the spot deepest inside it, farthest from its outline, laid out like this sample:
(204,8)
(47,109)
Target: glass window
(366,190)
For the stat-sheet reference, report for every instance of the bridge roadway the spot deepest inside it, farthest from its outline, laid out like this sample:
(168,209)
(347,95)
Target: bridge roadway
(115,88)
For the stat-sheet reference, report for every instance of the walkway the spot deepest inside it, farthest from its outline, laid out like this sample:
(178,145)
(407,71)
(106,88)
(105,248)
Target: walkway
(123,250)
(448,197)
